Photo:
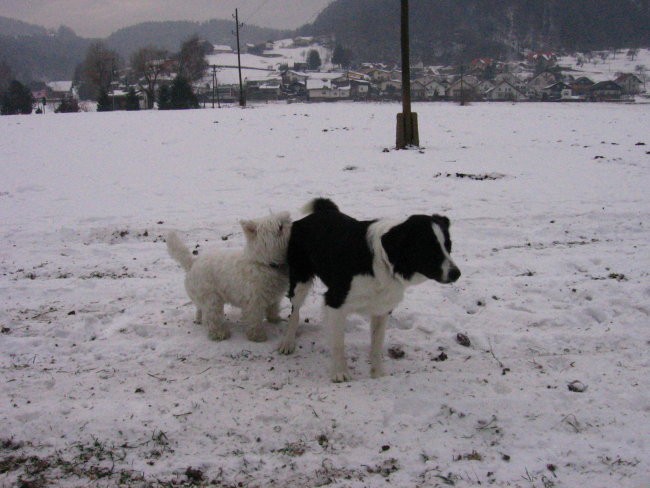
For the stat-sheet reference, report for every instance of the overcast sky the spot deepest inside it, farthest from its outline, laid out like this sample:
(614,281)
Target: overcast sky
(98,18)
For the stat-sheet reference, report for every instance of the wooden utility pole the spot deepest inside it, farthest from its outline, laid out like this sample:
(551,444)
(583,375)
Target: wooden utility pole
(462,85)
(407,121)
(214,70)
(215,86)
(242,100)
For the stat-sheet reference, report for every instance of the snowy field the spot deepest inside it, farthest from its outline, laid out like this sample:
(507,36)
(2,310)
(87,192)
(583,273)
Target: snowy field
(106,380)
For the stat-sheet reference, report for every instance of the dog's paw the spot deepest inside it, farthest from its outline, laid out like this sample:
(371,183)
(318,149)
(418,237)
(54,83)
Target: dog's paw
(339,376)
(287,346)
(256,334)
(220,334)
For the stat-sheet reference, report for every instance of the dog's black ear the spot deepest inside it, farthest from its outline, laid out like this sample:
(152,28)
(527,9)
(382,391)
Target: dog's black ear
(395,243)
(441,220)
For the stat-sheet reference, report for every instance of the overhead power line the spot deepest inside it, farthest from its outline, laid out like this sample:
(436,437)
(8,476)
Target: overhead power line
(248,19)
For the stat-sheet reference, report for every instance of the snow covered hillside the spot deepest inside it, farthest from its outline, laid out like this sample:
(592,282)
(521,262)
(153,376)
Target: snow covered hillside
(607,65)
(107,381)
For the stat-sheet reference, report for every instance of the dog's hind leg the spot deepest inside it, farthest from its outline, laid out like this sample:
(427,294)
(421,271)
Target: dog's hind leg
(198,317)
(212,313)
(288,344)
(336,321)
(377,333)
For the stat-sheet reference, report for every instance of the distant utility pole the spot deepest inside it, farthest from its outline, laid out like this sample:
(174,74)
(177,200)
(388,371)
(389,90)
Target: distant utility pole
(242,100)
(462,86)
(215,86)
(407,121)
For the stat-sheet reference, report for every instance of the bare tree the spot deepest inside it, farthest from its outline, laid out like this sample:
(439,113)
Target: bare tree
(191,60)
(149,64)
(100,65)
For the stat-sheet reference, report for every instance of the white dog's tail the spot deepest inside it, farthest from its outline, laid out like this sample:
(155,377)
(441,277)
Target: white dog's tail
(179,251)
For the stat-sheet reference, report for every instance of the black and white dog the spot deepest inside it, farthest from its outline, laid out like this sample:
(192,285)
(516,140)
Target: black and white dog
(366,267)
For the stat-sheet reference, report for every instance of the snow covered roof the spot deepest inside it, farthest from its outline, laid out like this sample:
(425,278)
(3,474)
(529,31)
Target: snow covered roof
(222,48)
(60,86)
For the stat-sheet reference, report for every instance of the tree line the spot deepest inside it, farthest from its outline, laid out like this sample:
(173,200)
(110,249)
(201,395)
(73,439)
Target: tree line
(149,68)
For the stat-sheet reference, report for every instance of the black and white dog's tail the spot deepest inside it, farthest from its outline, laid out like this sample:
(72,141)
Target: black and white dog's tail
(179,251)
(318,205)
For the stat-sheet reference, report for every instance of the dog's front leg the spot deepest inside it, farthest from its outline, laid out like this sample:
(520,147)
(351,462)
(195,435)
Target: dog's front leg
(254,317)
(377,333)
(288,344)
(336,322)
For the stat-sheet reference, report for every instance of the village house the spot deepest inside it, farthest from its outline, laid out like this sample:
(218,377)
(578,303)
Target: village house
(605,91)
(359,89)
(355,75)
(542,60)
(379,75)
(481,64)
(358,82)
(630,84)
(463,88)
(290,77)
(220,49)
(555,91)
(390,88)
(539,82)
(323,90)
(418,90)
(511,78)
(580,87)
(58,90)
(483,87)
(504,91)
(435,90)
(263,89)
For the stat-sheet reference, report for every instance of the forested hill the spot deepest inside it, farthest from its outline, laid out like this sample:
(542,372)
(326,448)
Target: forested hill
(169,35)
(35,53)
(452,30)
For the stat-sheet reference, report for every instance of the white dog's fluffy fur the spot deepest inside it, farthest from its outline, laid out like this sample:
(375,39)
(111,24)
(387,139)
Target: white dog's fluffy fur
(254,278)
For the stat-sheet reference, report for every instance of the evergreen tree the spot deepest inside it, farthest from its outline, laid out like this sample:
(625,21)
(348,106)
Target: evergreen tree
(164,98)
(132,101)
(181,94)
(17,99)
(342,56)
(104,101)
(313,60)
(68,105)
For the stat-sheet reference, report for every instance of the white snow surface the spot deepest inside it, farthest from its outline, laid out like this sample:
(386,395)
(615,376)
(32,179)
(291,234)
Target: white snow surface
(607,65)
(282,53)
(107,380)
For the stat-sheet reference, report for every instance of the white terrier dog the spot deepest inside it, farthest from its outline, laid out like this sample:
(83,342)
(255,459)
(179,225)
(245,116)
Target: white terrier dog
(254,278)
